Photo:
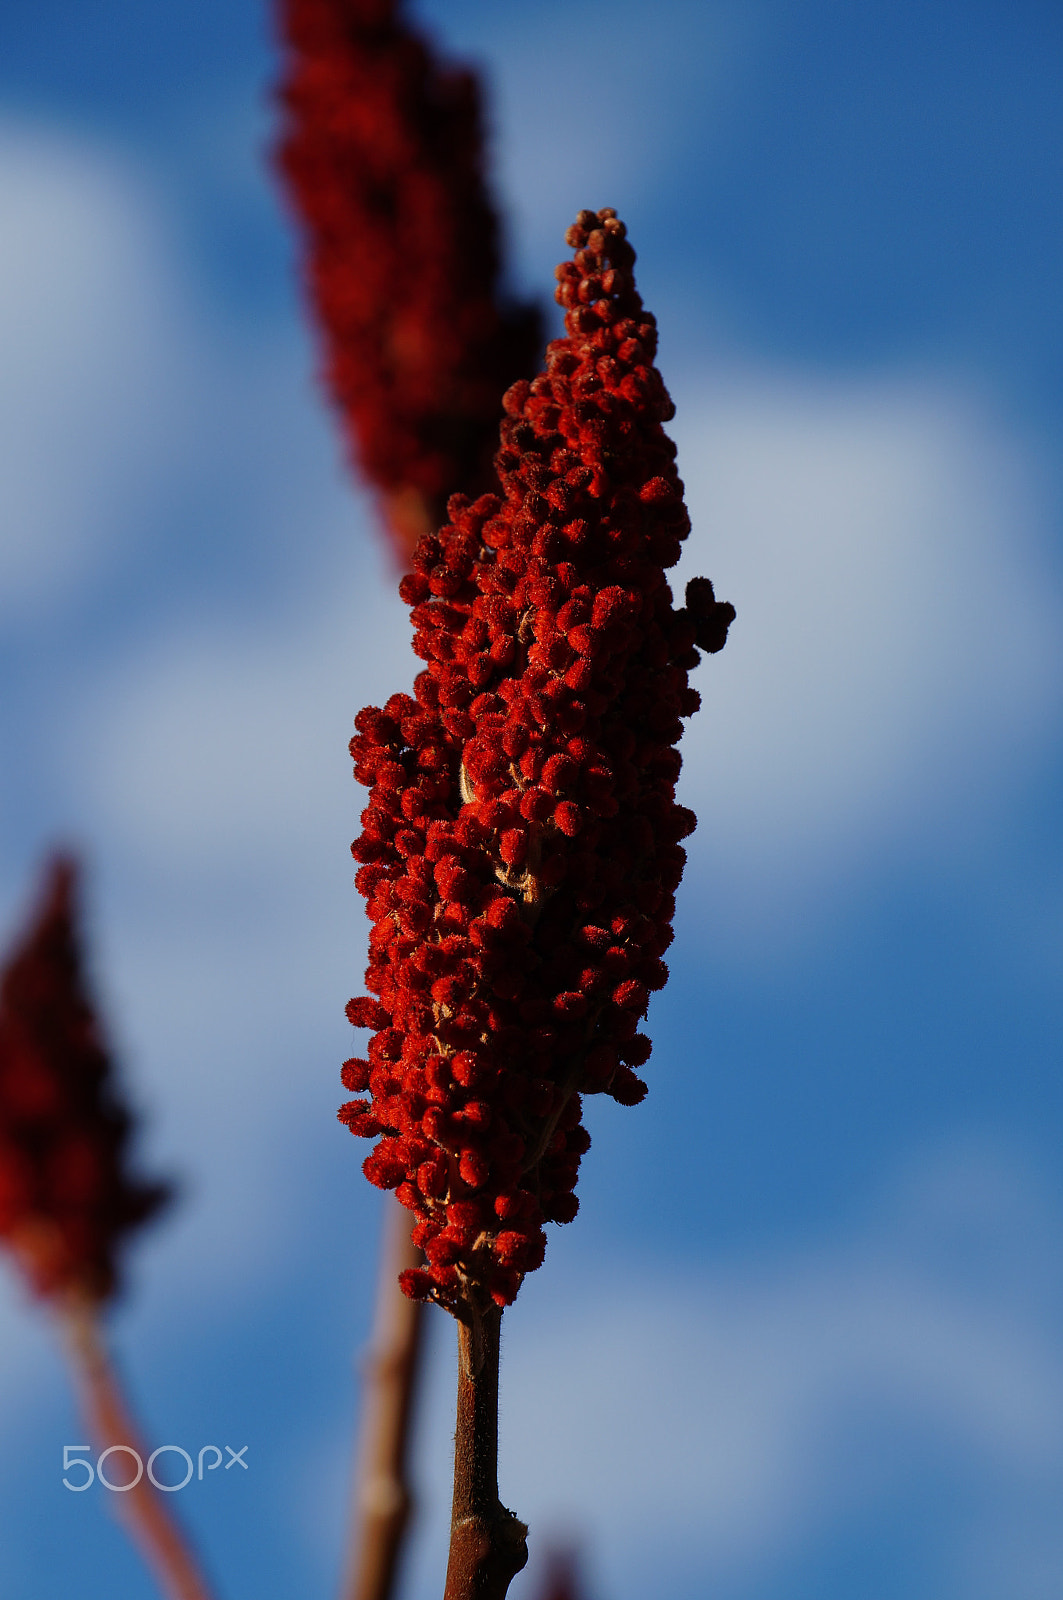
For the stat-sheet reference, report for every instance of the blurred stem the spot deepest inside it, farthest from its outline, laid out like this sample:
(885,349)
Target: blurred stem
(383,1500)
(488,1544)
(148,1518)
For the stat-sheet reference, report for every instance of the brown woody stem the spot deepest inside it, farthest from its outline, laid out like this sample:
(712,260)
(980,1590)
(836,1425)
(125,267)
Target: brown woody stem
(488,1544)
(383,1500)
(148,1518)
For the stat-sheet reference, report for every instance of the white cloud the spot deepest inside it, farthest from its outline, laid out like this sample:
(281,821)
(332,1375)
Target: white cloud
(229,741)
(92,359)
(896,659)
(713,1427)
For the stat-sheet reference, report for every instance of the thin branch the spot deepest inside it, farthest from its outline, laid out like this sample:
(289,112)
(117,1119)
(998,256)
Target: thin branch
(383,1499)
(488,1544)
(149,1520)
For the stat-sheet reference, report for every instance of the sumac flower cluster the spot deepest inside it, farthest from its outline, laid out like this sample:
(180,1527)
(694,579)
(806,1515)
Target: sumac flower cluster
(66,1198)
(383,156)
(522,842)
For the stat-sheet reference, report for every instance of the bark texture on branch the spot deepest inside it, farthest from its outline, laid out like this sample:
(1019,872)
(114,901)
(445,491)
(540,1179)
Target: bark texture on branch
(383,1498)
(488,1544)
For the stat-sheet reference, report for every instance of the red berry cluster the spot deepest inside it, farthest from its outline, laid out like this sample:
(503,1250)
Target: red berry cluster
(521,846)
(66,1199)
(384,160)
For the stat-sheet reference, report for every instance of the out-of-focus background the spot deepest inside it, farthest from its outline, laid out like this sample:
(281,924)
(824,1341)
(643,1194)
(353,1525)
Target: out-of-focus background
(806,1336)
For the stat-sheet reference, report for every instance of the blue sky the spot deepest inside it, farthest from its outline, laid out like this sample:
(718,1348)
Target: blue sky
(806,1336)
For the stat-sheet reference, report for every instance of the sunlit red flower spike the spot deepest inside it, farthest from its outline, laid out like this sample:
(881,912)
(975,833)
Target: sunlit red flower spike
(521,846)
(66,1197)
(383,156)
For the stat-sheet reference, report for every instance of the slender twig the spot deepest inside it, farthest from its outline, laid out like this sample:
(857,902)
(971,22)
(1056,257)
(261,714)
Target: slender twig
(148,1518)
(488,1544)
(383,1499)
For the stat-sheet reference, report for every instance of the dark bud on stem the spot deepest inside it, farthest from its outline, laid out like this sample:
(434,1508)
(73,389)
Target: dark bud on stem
(711,617)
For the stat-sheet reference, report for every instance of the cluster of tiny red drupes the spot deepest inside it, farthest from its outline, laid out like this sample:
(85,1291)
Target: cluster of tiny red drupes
(384,160)
(65,1197)
(521,846)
